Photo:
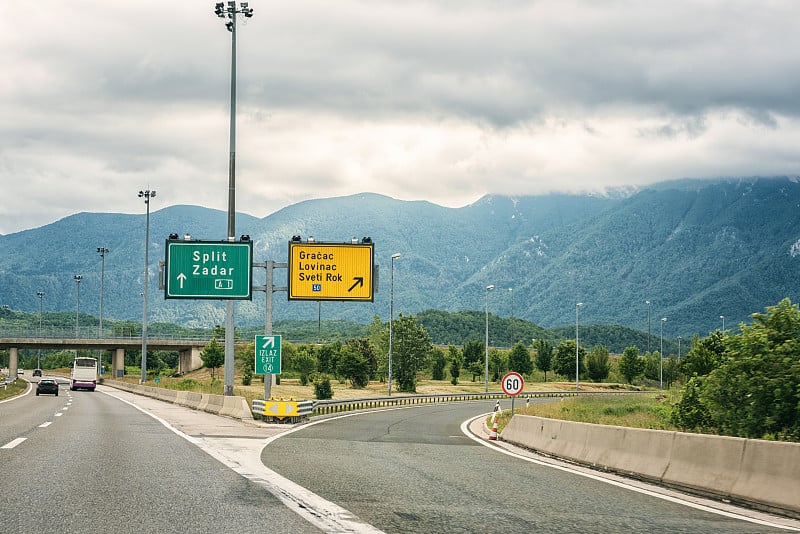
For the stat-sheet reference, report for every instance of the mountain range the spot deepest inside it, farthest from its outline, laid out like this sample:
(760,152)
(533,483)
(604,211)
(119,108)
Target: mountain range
(696,250)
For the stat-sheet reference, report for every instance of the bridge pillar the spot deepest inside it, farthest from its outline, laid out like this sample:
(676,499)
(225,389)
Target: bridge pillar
(189,360)
(118,363)
(13,363)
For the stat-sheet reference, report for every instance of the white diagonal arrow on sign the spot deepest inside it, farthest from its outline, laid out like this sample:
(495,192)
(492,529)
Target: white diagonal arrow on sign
(268,342)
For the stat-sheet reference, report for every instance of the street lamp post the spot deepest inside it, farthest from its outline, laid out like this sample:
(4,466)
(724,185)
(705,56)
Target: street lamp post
(102,251)
(648,325)
(486,360)
(577,353)
(391,317)
(679,348)
(723,323)
(78,278)
(661,357)
(230,12)
(147,195)
(39,294)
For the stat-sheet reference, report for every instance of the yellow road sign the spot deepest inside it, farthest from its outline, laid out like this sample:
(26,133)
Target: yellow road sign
(280,409)
(330,271)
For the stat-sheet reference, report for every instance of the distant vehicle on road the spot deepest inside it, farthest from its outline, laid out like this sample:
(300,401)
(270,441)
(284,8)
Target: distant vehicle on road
(20,372)
(37,372)
(84,373)
(47,385)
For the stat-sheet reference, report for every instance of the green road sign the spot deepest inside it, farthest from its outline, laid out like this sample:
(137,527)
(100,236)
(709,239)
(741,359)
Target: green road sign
(268,355)
(208,270)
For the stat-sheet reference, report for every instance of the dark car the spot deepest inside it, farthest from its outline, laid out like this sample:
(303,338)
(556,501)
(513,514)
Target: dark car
(47,385)
(37,372)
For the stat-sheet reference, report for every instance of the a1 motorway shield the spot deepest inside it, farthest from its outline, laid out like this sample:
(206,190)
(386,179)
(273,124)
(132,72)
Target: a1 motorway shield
(208,270)
(268,355)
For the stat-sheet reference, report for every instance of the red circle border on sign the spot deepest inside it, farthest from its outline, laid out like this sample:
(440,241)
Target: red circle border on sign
(503,383)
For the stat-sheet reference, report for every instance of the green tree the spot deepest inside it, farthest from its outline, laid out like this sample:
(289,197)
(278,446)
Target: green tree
(379,339)
(498,364)
(705,355)
(365,348)
(672,370)
(652,369)
(410,352)
(476,369)
(288,354)
(564,363)
(213,356)
(327,356)
(456,363)
(631,365)
(473,352)
(597,364)
(323,389)
(474,358)
(519,359)
(353,367)
(755,392)
(439,363)
(689,413)
(544,356)
(304,363)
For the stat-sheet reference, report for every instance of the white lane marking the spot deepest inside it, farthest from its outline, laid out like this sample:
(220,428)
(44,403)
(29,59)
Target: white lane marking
(59,414)
(13,443)
(244,457)
(465,430)
(45,425)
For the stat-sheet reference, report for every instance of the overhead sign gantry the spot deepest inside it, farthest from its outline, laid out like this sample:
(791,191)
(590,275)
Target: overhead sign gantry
(331,271)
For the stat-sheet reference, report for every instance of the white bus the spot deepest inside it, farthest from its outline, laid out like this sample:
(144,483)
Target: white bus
(84,373)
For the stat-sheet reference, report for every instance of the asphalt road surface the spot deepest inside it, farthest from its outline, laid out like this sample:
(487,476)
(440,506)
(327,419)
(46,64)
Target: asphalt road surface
(110,461)
(414,470)
(89,463)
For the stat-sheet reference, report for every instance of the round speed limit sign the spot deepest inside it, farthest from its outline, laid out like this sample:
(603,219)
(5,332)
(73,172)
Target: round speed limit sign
(512,384)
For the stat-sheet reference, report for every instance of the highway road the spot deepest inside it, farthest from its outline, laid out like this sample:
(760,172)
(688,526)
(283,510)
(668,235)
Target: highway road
(414,470)
(110,461)
(91,463)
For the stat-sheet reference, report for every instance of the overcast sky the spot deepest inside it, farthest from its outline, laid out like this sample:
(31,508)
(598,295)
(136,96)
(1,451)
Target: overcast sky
(442,101)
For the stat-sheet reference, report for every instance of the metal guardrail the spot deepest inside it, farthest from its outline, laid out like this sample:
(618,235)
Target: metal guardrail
(294,411)
(324,407)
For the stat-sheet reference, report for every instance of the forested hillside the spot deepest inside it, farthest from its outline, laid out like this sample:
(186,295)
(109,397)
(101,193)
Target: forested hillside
(696,250)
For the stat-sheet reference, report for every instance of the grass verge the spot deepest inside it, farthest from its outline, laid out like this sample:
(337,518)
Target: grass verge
(12,390)
(650,411)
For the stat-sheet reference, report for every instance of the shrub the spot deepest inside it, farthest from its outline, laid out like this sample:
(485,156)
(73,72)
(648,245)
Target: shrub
(323,389)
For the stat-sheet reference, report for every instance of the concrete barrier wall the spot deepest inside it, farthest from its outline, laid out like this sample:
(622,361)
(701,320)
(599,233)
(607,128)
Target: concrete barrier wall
(763,474)
(698,462)
(773,472)
(228,406)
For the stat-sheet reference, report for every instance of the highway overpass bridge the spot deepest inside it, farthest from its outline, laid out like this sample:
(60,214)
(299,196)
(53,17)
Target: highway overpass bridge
(187,348)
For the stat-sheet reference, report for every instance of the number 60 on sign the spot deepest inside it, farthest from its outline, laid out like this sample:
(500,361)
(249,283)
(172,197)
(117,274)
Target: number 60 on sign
(512,384)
